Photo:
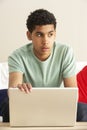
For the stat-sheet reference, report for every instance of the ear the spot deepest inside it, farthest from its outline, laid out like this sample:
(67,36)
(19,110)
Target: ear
(29,35)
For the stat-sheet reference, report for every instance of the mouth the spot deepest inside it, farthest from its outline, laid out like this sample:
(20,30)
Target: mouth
(44,49)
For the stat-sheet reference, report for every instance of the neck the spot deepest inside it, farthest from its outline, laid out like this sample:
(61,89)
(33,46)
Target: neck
(43,57)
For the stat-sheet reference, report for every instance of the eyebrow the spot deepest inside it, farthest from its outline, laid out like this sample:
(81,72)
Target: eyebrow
(43,33)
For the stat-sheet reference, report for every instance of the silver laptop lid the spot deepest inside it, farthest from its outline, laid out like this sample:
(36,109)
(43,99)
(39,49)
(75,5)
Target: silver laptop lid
(43,107)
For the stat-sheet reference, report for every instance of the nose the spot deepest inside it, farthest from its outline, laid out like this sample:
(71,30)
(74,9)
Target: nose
(45,40)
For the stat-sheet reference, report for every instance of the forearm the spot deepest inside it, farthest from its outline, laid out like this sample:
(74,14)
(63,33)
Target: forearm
(70,82)
(15,78)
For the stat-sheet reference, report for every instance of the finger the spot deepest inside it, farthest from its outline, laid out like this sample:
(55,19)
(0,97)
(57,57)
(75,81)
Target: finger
(29,86)
(25,87)
(20,87)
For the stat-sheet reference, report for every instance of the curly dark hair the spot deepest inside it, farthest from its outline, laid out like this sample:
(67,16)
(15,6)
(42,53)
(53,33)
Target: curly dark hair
(40,17)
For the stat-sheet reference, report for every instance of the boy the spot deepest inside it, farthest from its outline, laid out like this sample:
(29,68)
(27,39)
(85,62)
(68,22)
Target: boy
(43,62)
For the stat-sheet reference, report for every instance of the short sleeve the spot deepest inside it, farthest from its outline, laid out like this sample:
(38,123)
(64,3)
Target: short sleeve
(69,63)
(15,63)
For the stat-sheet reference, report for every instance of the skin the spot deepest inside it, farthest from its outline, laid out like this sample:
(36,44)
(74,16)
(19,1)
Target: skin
(43,38)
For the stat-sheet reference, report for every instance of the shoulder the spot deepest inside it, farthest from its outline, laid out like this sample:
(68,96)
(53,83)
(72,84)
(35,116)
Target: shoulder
(22,50)
(20,54)
(62,47)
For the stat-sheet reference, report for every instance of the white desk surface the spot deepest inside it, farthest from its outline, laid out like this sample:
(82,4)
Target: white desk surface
(78,126)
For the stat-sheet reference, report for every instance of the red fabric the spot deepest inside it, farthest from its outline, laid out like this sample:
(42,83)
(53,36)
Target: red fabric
(82,85)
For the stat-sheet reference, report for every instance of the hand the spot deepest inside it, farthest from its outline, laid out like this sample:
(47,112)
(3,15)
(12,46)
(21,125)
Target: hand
(25,87)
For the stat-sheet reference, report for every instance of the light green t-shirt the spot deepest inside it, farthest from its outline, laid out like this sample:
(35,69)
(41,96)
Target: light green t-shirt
(48,73)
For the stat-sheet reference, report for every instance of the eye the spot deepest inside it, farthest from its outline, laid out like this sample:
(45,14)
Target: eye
(50,34)
(38,34)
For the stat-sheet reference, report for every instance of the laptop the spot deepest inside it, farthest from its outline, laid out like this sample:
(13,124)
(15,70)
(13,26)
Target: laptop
(43,107)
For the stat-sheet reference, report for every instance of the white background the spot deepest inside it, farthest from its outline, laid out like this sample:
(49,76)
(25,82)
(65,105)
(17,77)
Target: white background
(71,18)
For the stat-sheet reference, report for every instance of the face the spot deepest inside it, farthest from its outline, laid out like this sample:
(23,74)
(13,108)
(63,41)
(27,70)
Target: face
(43,38)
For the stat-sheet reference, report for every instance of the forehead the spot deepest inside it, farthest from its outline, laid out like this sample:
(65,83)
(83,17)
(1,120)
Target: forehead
(44,28)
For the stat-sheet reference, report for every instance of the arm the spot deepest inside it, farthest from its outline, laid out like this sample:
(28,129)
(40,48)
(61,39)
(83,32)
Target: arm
(16,80)
(70,82)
